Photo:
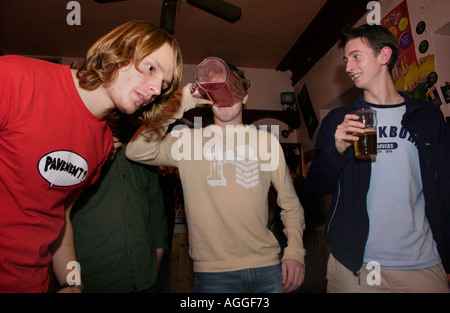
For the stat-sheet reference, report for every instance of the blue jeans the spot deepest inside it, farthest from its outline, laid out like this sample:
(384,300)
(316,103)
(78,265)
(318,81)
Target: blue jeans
(251,280)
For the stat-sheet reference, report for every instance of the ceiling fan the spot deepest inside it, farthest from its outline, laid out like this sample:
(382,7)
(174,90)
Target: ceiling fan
(219,8)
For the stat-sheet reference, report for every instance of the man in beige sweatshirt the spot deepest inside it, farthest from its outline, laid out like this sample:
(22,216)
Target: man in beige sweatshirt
(226,170)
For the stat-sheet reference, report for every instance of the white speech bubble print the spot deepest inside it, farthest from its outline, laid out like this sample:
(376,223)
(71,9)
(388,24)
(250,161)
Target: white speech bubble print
(63,168)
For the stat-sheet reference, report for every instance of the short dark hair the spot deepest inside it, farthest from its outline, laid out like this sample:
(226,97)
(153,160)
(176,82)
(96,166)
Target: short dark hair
(246,83)
(377,37)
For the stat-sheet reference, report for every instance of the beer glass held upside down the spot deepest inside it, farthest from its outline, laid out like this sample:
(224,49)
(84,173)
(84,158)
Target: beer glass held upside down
(366,146)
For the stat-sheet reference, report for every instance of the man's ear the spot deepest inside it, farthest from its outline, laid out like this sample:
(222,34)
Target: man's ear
(244,100)
(385,55)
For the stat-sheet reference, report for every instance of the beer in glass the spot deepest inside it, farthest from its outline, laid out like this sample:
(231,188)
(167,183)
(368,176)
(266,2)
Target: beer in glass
(366,146)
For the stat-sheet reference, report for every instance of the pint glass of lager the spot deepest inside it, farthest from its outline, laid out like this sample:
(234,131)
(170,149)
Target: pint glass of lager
(366,146)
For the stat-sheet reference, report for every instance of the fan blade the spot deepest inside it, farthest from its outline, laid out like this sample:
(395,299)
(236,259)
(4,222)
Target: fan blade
(219,8)
(168,13)
(107,1)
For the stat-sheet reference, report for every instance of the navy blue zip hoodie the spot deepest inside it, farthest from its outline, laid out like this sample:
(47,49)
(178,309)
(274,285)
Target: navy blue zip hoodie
(347,179)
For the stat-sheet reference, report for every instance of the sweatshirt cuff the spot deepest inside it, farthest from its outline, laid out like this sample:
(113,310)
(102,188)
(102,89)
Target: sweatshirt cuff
(295,254)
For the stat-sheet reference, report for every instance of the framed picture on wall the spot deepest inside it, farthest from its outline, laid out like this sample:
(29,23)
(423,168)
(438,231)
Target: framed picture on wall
(446,92)
(309,116)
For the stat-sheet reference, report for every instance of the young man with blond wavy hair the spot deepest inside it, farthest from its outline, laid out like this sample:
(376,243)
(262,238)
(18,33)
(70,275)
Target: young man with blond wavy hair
(55,139)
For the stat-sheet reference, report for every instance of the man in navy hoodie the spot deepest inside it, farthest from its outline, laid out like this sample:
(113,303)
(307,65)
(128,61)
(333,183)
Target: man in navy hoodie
(388,227)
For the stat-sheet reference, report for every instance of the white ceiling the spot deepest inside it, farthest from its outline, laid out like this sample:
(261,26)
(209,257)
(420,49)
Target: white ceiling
(260,39)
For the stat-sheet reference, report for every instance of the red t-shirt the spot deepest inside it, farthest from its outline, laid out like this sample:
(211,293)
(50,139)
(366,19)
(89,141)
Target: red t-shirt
(50,145)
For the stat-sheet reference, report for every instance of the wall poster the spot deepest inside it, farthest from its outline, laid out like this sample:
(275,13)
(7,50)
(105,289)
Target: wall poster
(411,75)
(406,71)
(309,116)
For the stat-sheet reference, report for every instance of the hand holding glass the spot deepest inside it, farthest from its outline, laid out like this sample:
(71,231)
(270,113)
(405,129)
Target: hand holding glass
(366,146)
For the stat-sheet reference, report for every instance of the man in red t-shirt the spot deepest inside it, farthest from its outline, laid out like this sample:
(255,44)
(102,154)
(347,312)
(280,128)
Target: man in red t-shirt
(54,139)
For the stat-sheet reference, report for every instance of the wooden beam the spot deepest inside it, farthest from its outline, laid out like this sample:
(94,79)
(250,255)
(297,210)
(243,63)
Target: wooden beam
(321,35)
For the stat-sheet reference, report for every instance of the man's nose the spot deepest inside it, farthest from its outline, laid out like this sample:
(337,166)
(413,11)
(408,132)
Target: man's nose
(156,85)
(349,66)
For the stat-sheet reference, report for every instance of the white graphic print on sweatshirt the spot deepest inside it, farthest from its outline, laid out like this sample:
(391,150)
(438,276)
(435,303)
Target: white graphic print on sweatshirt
(244,160)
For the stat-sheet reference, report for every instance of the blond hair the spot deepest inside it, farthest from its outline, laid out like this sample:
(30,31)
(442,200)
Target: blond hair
(130,42)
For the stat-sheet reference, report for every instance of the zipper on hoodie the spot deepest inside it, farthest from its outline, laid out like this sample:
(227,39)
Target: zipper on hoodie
(430,174)
(335,206)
